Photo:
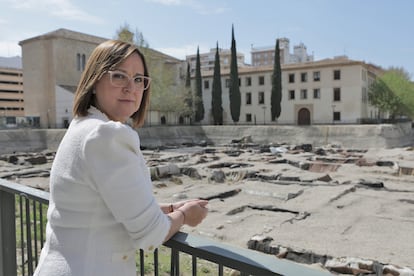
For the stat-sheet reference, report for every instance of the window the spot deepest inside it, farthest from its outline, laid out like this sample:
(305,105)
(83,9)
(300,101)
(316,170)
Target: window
(316,76)
(261,80)
(337,74)
(248,98)
(364,75)
(291,78)
(337,116)
(206,84)
(291,94)
(364,95)
(261,98)
(248,81)
(303,94)
(337,94)
(80,62)
(248,117)
(316,93)
(304,77)
(83,62)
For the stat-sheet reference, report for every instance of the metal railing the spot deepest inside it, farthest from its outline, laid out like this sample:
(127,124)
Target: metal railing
(22,226)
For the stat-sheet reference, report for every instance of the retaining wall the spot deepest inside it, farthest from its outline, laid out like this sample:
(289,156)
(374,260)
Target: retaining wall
(350,136)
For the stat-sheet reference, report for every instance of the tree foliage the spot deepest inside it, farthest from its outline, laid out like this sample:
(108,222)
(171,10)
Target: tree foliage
(198,98)
(276,96)
(393,93)
(188,98)
(166,94)
(216,101)
(234,90)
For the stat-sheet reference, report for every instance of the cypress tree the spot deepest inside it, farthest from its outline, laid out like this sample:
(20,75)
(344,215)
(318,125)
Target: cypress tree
(216,101)
(189,95)
(199,106)
(234,91)
(276,96)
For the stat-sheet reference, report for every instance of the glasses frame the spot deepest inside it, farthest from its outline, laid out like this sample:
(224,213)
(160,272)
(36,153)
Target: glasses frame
(147,80)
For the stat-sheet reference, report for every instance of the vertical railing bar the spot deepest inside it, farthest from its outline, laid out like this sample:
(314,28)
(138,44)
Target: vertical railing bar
(35,230)
(177,265)
(156,262)
(41,224)
(220,270)
(194,265)
(141,261)
(29,238)
(22,233)
(174,262)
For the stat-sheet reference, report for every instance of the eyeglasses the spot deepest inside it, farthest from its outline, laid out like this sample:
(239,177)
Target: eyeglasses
(121,79)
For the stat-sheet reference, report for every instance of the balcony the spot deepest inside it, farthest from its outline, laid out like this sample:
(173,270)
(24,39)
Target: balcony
(22,226)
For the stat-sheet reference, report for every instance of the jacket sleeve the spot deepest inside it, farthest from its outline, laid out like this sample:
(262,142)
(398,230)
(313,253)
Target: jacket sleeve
(121,177)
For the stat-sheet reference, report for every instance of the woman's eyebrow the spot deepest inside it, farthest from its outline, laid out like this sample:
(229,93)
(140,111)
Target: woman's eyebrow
(124,71)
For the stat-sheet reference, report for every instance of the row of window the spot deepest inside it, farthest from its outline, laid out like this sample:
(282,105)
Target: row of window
(291,79)
(316,76)
(11,108)
(291,95)
(11,74)
(11,82)
(11,91)
(336,116)
(316,94)
(11,100)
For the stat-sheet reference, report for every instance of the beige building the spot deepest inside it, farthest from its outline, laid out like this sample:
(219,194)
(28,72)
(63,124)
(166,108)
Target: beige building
(207,60)
(52,66)
(321,92)
(11,97)
(265,56)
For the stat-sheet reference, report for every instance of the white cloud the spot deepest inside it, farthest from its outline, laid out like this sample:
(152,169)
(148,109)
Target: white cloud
(64,9)
(198,6)
(182,52)
(172,2)
(10,49)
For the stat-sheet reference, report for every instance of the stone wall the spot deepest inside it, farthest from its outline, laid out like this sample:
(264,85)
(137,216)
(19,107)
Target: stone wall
(350,136)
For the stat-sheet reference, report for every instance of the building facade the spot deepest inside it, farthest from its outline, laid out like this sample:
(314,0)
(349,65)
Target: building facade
(321,92)
(207,60)
(265,56)
(52,65)
(11,97)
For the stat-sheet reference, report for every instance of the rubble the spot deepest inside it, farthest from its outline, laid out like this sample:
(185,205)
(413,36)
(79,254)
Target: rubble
(304,203)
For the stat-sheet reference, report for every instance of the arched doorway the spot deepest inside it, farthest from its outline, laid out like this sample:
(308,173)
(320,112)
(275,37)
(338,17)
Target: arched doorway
(304,117)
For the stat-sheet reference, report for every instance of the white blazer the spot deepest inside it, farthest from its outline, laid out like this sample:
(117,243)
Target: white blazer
(101,203)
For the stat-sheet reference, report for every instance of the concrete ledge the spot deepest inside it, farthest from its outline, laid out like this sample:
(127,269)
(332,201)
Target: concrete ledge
(350,136)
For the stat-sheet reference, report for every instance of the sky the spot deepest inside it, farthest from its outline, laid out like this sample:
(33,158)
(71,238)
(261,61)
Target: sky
(374,31)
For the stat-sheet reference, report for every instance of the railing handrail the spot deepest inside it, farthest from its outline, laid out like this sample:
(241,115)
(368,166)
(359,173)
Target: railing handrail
(256,263)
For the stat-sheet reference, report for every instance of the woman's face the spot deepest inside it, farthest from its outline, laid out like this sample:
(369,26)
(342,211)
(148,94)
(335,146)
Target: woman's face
(118,92)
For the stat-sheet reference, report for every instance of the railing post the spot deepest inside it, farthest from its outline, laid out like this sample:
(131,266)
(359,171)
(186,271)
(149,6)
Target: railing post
(8,261)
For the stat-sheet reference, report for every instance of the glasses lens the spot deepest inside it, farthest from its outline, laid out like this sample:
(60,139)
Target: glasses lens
(120,79)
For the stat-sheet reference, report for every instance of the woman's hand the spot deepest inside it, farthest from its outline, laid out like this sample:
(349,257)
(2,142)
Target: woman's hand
(193,211)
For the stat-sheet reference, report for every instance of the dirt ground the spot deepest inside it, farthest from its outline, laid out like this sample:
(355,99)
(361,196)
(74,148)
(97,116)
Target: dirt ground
(329,201)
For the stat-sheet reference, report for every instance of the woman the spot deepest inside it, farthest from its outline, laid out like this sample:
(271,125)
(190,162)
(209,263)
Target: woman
(101,204)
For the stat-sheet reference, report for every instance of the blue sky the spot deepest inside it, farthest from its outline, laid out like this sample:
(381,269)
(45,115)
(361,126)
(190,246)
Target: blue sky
(375,31)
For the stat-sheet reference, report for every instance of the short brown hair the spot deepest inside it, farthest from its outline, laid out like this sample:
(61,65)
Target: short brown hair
(105,57)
